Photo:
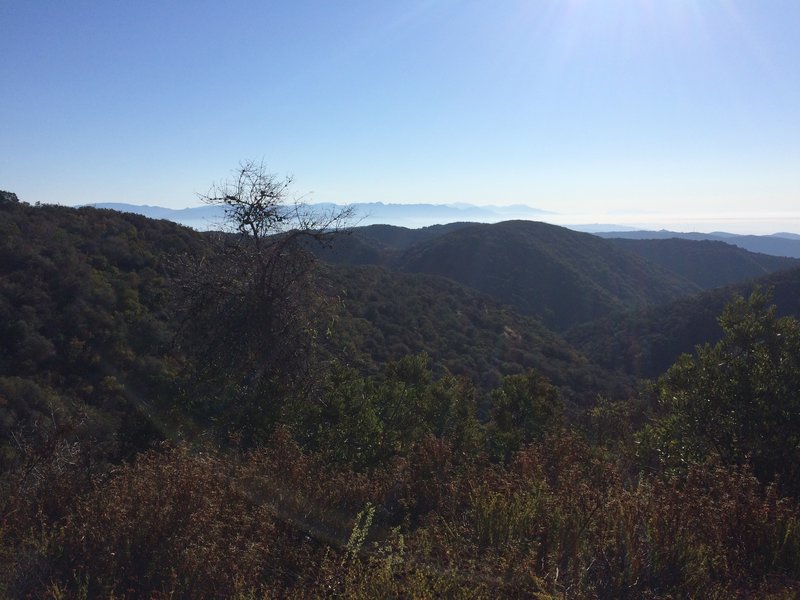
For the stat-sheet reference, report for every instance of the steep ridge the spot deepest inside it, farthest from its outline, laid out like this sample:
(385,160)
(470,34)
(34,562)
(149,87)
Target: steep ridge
(707,263)
(645,343)
(560,276)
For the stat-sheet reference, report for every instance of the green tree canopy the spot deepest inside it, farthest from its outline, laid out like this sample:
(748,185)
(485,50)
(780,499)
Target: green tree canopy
(523,409)
(739,399)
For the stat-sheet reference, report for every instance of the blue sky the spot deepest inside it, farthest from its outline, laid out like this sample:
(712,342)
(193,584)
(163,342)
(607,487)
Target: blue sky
(575,106)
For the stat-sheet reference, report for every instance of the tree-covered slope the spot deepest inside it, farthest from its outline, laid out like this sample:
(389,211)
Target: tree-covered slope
(645,343)
(386,315)
(560,276)
(707,263)
(85,334)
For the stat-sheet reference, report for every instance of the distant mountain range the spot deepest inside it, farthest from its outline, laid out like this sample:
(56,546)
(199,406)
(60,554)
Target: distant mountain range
(369,213)
(425,215)
(198,217)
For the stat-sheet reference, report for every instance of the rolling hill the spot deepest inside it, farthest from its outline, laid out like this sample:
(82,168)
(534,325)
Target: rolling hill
(559,276)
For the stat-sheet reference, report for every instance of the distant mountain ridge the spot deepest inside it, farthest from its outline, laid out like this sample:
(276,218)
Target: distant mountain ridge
(415,216)
(777,244)
(707,263)
(368,213)
(198,217)
(423,215)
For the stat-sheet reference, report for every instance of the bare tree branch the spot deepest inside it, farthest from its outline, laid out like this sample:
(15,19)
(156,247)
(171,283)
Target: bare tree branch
(249,303)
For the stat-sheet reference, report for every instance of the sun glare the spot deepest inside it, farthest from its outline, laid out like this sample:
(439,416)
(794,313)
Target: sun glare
(617,21)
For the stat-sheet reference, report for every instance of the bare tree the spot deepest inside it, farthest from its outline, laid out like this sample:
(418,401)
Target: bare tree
(249,304)
(257,206)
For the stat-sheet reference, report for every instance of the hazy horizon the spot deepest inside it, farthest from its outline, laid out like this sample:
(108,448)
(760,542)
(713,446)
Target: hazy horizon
(738,223)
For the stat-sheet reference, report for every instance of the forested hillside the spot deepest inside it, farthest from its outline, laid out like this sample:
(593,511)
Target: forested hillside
(189,415)
(383,316)
(559,276)
(708,264)
(644,343)
(84,322)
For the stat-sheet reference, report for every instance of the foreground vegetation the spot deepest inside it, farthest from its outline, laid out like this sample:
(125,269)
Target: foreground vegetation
(560,519)
(140,460)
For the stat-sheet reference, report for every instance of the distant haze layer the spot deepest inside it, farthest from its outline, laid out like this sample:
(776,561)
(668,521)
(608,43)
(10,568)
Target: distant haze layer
(734,222)
(423,215)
